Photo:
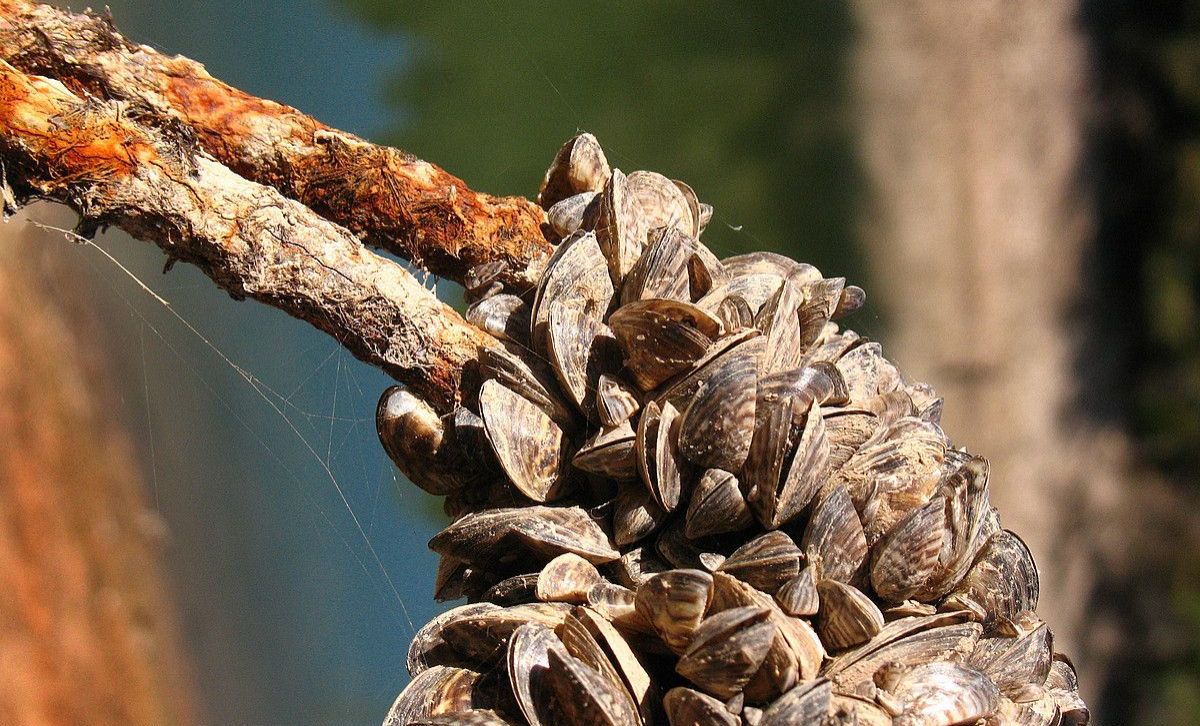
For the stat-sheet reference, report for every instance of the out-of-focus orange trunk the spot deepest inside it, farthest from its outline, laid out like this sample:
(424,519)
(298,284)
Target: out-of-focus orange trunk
(88,633)
(980,228)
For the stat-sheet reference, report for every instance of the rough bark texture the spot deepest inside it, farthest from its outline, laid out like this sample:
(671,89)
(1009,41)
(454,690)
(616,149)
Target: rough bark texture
(89,633)
(385,196)
(974,123)
(141,172)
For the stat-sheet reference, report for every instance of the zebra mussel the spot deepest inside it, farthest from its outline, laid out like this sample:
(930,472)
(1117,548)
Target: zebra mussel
(694,498)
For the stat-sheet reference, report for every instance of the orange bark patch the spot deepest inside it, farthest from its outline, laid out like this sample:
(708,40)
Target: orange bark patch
(95,145)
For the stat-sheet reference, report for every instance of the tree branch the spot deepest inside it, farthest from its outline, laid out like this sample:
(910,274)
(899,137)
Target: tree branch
(387,197)
(117,164)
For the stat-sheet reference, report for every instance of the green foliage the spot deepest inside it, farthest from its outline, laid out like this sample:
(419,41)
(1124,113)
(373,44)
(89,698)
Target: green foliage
(747,102)
(1147,149)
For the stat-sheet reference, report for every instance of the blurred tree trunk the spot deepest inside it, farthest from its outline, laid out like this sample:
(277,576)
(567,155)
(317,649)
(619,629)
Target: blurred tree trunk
(979,231)
(88,630)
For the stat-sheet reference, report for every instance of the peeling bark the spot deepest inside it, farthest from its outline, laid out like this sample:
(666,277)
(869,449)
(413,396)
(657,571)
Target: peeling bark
(385,196)
(117,164)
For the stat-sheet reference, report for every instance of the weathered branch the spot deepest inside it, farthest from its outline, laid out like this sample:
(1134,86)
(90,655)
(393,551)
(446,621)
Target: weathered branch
(117,164)
(387,197)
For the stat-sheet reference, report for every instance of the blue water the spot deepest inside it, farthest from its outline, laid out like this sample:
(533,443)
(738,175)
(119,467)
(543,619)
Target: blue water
(289,617)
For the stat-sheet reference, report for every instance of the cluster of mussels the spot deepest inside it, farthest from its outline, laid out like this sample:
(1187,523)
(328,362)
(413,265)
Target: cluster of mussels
(697,500)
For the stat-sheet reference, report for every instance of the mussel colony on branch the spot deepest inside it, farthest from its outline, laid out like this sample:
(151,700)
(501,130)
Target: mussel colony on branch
(684,495)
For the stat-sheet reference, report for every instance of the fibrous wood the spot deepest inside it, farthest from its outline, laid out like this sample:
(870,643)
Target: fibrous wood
(116,165)
(387,197)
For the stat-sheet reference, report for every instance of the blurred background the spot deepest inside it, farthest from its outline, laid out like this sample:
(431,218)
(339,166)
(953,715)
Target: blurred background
(196,489)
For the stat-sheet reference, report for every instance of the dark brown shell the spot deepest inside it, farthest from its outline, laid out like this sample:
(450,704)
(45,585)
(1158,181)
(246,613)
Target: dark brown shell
(674,546)
(847,616)
(796,635)
(505,317)
(567,215)
(528,664)
(808,702)
(585,696)
(788,463)
(772,263)
(531,379)
(867,372)
(726,649)
(675,266)
(734,313)
(579,166)
(616,400)
(657,454)
(471,717)
(766,562)
(688,707)
(662,202)
(575,276)
(674,602)
(528,444)
(852,299)
(798,596)
(661,338)
(582,645)
(895,472)
(581,349)
(625,661)
(694,207)
(1016,660)
(661,271)
(835,535)
(779,324)
(705,272)
(938,693)
(566,578)
(428,648)
(412,434)
(489,537)
(637,565)
(1004,579)
(610,452)
(821,299)
(928,552)
(621,228)
(907,640)
(438,690)
(635,514)
(513,590)
(716,429)
(482,637)
(717,506)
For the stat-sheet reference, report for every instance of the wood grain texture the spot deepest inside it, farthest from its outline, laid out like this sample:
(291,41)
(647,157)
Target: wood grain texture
(142,172)
(385,196)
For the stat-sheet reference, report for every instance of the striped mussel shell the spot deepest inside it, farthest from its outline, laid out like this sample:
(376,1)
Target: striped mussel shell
(683,493)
